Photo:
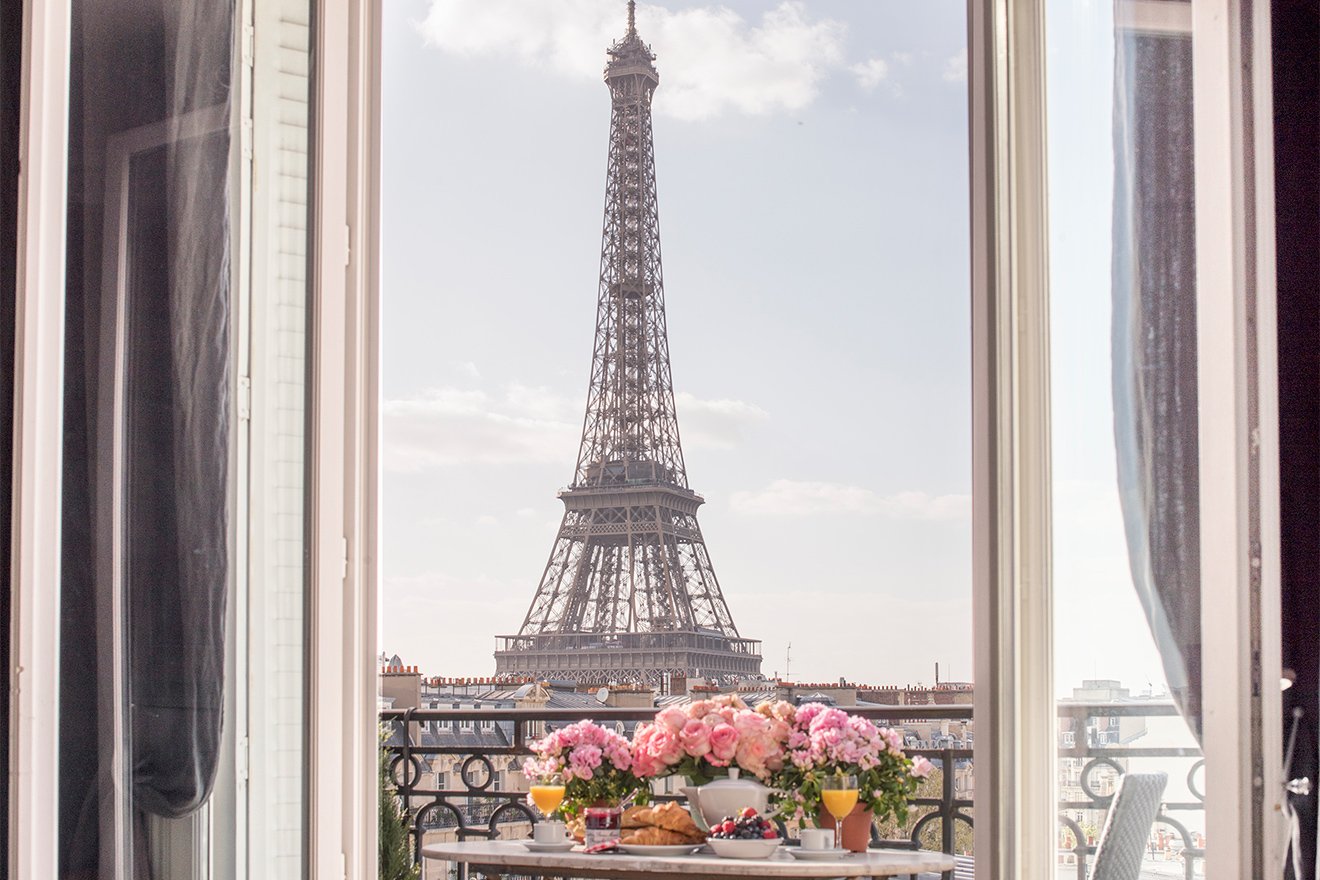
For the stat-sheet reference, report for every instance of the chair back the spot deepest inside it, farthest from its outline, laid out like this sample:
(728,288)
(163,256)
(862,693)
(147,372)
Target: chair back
(1133,810)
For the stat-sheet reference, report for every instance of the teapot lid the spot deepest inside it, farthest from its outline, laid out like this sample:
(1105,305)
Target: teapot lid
(732,779)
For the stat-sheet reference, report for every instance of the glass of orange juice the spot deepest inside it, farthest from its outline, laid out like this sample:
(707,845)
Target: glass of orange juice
(838,793)
(548,793)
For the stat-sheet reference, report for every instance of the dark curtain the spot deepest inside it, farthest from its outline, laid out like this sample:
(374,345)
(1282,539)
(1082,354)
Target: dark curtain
(177,602)
(1154,347)
(11,56)
(1296,34)
(146,71)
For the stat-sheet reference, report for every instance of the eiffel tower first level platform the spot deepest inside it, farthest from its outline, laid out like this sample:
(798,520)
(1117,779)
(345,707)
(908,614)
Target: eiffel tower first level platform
(629,593)
(657,658)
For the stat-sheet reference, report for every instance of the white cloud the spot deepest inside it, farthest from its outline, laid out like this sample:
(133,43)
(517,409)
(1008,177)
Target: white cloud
(525,512)
(487,520)
(870,73)
(955,69)
(711,59)
(715,424)
(808,498)
(449,426)
(469,369)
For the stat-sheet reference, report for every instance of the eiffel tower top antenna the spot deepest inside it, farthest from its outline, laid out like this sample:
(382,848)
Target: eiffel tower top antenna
(632,18)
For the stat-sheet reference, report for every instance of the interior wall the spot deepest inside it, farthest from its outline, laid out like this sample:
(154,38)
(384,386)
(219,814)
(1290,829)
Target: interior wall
(1296,34)
(11,39)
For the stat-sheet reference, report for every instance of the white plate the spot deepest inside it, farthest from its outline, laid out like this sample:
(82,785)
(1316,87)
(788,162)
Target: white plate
(817,855)
(558,846)
(640,849)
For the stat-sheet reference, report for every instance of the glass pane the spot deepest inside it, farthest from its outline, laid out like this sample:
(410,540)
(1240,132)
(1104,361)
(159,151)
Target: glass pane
(276,595)
(183,575)
(710,436)
(1123,337)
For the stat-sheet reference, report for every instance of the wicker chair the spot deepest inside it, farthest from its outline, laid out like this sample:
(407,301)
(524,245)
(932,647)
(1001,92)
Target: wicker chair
(1123,840)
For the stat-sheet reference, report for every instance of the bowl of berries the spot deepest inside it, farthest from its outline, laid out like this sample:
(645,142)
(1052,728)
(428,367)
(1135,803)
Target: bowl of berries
(746,835)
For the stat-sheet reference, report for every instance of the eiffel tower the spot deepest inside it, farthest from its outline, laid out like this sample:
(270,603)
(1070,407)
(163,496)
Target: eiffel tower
(629,594)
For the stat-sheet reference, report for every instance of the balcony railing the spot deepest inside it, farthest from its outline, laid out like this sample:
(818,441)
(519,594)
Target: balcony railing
(488,742)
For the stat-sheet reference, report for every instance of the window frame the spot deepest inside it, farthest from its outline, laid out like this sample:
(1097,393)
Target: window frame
(1012,618)
(1011,553)
(33,820)
(343,433)
(1239,438)
(1015,709)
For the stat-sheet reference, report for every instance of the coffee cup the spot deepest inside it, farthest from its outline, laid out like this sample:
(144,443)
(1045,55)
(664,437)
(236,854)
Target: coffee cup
(549,832)
(816,838)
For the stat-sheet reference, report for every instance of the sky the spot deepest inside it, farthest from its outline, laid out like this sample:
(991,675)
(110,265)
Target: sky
(812,174)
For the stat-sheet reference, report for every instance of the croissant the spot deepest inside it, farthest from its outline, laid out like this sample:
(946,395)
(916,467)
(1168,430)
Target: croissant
(673,817)
(637,817)
(656,837)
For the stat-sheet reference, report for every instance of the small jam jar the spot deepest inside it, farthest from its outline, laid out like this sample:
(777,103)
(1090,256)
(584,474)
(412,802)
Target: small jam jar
(602,825)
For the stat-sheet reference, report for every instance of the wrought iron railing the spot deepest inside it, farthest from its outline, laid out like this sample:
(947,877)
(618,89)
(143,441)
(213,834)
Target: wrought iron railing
(1113,756)
(478,808)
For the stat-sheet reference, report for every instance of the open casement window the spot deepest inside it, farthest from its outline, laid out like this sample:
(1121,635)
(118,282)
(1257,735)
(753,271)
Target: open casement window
(1125,201)
(76,809)
(169,197)
(192,493)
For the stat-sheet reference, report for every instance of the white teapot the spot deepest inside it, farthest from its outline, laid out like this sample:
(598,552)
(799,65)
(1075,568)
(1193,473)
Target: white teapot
(725,797)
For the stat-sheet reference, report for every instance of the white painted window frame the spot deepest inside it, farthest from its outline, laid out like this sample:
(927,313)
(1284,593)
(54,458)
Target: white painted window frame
(1014,702)
(1011,514)
(38,436)
(344,434)
(1232,85)
(342,511)
(1015,708)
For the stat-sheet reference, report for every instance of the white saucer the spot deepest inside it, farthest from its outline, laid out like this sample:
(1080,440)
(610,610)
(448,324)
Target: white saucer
(817,855)
(558,846)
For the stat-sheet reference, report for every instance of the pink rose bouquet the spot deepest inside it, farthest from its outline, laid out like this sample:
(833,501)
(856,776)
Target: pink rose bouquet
(825,741)
(596,765)
(705,738)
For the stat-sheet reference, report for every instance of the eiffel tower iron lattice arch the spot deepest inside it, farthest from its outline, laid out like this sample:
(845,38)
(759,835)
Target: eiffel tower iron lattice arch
(629,593)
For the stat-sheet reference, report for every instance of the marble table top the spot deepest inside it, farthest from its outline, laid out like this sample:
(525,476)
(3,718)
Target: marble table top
(512,855)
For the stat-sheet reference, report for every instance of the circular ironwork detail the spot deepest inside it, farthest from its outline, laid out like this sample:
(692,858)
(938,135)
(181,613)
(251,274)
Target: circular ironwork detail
(1080,846)
(1085,778)
(1191,780)
(466,772)
(510,807)
(406,782)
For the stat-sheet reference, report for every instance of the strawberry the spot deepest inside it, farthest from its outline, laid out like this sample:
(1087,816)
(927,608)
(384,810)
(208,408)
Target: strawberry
(769,834)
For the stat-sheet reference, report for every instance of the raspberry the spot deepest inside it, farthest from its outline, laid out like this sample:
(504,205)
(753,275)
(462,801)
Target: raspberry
(769,834)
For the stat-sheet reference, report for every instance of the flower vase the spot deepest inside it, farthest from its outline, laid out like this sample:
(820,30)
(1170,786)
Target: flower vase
(855,835)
